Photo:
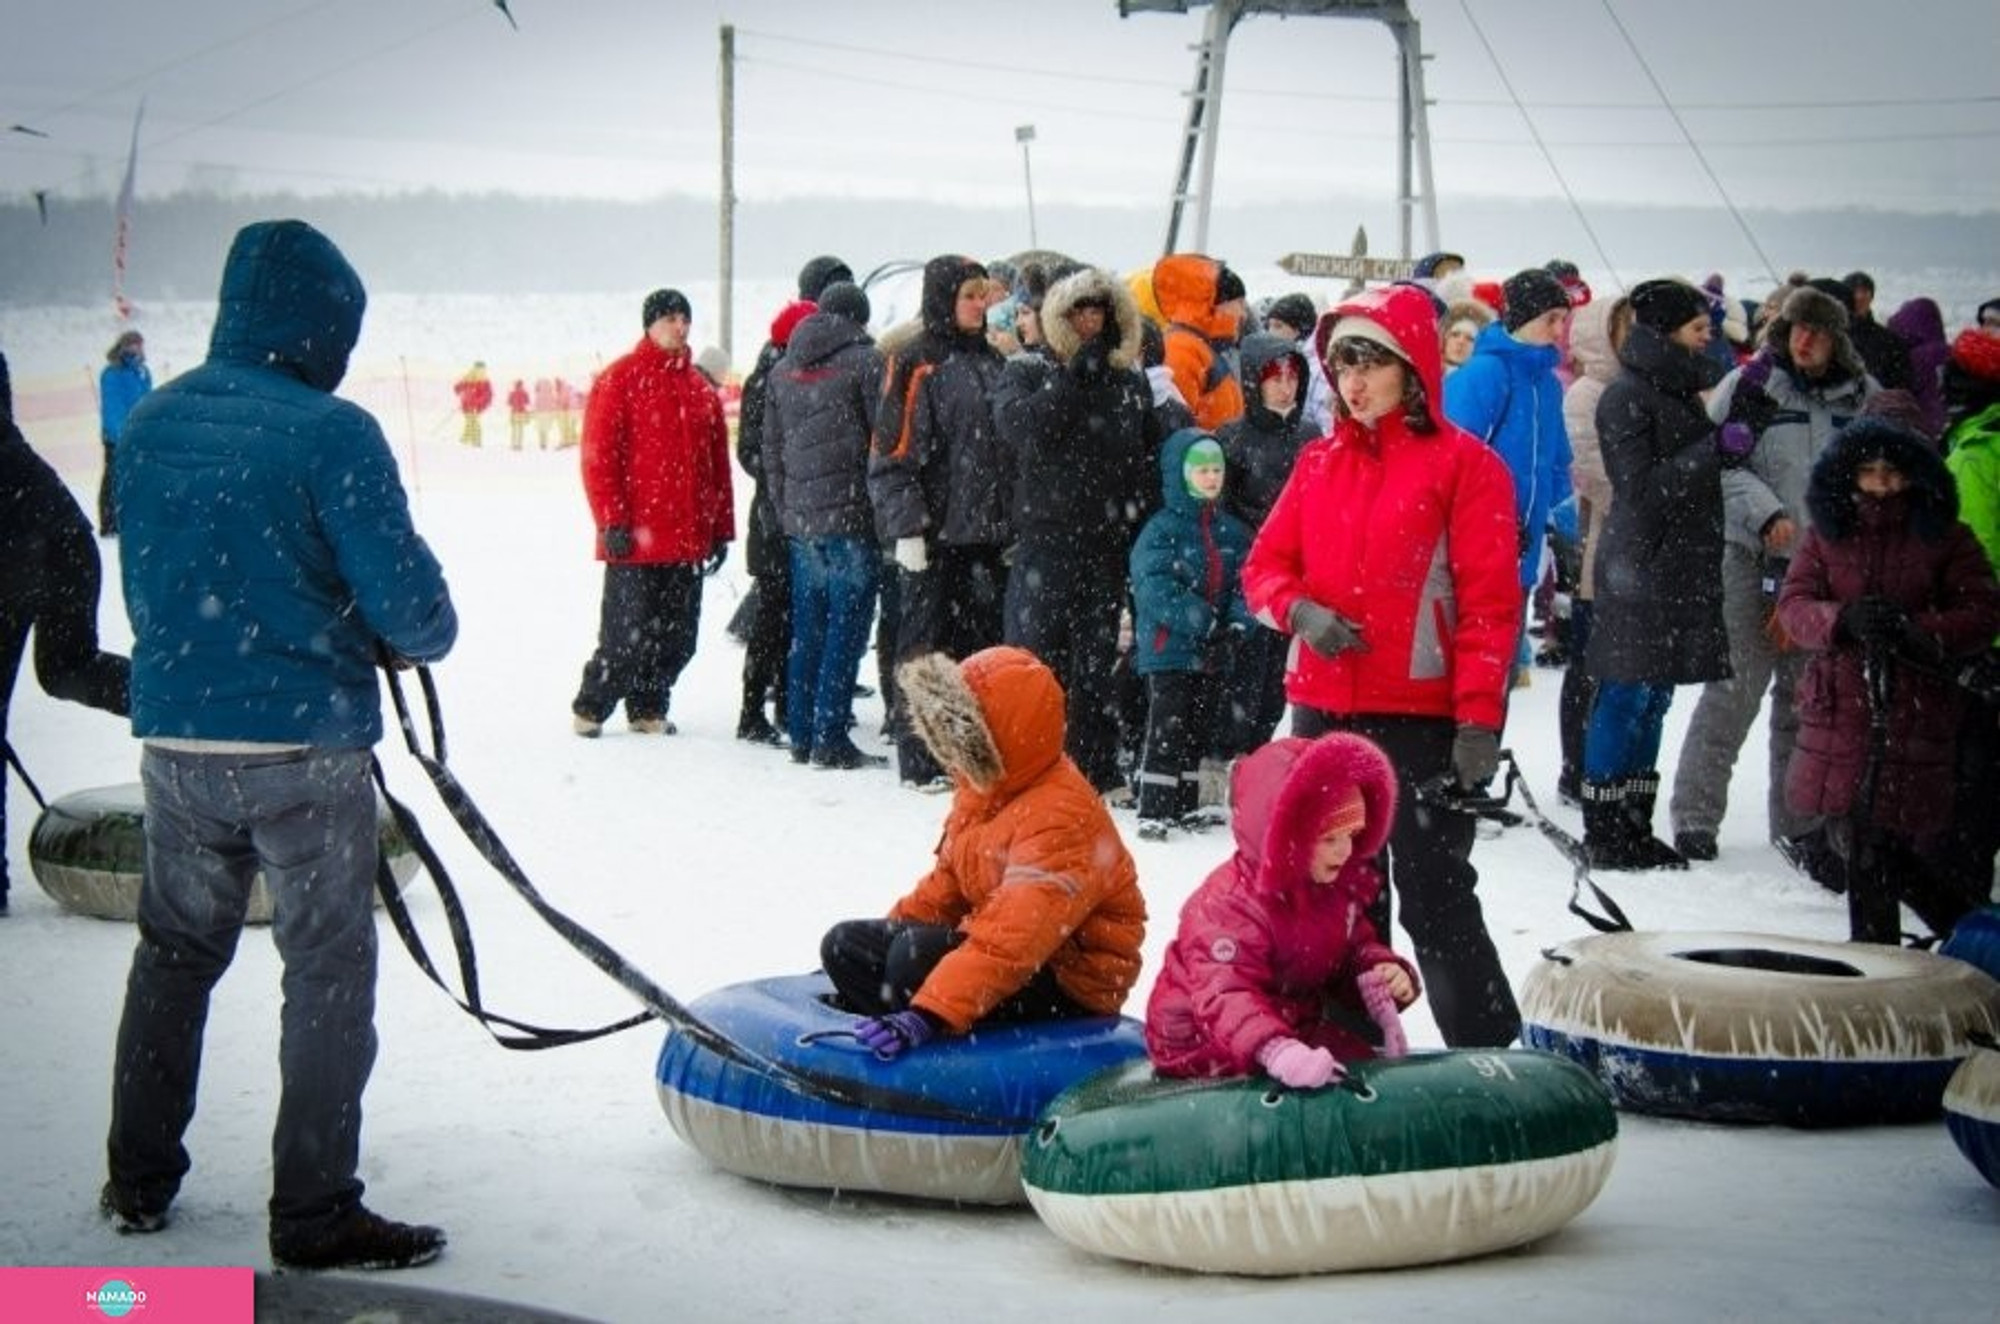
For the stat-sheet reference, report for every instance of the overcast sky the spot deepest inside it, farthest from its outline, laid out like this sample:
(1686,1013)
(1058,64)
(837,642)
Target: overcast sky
(1791,103)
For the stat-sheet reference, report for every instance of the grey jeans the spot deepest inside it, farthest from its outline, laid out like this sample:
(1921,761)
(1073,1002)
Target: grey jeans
(1728,708)
(307,819)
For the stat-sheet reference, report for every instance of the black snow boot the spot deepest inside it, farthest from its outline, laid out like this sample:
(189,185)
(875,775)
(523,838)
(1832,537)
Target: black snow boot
(1641,790)
(1606,831)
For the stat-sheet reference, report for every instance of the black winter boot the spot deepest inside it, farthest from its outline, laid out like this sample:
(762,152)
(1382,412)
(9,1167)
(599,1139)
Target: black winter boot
(1641,790)
(1606,832)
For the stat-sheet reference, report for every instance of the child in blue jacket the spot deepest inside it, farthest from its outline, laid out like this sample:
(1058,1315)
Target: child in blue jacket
(1188,613)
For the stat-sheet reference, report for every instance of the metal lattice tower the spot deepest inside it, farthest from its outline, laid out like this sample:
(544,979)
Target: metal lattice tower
(1414,185)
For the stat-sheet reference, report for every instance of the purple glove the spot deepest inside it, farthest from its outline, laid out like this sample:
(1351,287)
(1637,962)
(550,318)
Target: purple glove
(887,1036)
(1735,441)
(1299,1065)
(1756,372)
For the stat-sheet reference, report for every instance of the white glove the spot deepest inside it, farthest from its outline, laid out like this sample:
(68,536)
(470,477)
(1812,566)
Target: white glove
(911,556)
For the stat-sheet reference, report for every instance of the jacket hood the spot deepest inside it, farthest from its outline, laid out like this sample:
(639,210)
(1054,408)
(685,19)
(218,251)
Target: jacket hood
(939,307)
(1410,317)
(1918,322)
(822,335)
(994,720)
(1173,482)
(1184,286)
(1258,352)
(1282,794)
(1932,496)
(289,299)
(1590,339)
(1082,286)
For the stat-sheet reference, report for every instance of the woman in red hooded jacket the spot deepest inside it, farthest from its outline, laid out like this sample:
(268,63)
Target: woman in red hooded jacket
(1279,936)
(1392,554)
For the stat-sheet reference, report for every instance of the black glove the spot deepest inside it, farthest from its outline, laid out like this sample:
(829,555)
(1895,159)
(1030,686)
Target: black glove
(1093,358)
(1873,622)
(715,559)
(1475,755)
(1328,632)
(618,542)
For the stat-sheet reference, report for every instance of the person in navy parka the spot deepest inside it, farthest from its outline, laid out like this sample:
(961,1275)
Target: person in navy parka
(269,567)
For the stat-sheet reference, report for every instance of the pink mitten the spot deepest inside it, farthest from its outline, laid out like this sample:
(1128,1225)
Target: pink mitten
(1298,1065)
(1382,1010)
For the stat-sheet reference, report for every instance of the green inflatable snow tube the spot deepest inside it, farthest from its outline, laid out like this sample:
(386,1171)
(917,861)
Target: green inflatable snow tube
(88,851)
(1422,1159)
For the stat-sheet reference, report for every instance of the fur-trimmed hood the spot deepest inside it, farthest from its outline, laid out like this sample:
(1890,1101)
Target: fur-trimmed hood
(1284,792)
(1084,286)
(1931,496)
(994,721)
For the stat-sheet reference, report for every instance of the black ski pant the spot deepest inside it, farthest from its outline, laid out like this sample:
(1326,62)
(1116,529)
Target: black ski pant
(877,966)
(647,624)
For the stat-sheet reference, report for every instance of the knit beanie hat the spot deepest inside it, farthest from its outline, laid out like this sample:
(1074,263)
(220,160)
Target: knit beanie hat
(1295,311)
(788,319)
(1205,453)
(1667,304)
(1529,294)
(848,300)
(1349,815)
(820,272)
(1228,285)
(664,303)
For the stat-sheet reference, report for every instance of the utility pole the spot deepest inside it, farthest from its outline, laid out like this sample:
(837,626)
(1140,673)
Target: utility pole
(726,273)
(1025,134)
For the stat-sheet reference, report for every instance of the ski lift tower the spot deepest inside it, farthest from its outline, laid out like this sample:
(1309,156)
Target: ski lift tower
(1204,115)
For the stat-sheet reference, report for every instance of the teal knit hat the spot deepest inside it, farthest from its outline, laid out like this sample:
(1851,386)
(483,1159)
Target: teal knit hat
(1206,453)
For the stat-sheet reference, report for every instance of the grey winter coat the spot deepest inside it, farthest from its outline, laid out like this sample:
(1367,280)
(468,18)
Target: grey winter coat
(1659,564)
(1793,424)
(820,406)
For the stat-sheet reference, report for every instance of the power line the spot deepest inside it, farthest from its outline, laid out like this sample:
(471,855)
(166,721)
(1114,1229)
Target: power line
(1770,268)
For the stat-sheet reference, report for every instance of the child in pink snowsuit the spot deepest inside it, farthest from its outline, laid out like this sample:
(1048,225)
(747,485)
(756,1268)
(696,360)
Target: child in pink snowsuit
(1281,928)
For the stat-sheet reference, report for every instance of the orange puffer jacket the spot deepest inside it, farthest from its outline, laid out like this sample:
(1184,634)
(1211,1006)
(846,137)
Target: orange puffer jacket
(1031,868)
(1184,284)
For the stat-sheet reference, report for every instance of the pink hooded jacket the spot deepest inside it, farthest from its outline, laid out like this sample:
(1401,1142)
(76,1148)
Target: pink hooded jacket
(1261,947)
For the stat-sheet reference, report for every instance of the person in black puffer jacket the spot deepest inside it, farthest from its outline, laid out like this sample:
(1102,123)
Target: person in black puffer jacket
(1085,440)
(1260,448)
(49,579)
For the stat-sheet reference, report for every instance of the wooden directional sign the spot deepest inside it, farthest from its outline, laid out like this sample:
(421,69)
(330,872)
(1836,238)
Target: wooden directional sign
(1354,268)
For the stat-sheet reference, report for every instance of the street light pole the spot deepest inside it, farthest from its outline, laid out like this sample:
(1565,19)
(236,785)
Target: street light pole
(1025,134)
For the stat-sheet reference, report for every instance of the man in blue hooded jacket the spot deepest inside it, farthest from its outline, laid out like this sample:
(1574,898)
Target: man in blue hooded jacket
(269,567)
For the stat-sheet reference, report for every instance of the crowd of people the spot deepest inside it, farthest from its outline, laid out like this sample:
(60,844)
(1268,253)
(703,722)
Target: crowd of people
(1108,531)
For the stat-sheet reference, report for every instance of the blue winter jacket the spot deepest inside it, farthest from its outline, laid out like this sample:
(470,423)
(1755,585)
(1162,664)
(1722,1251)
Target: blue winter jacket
(1508,395)
(1187,571)
(267,543)
(119,387)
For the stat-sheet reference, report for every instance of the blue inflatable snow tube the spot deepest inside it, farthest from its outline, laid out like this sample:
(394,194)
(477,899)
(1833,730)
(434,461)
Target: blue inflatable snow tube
(943,1122)
(1976,940)
(1972,1111)
(1741,1027)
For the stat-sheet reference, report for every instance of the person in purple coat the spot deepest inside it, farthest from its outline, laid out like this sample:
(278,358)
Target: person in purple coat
(1887,591)
(1277,938)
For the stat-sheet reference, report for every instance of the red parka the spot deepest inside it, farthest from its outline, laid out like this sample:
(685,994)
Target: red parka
(656,457)
(1261,946)
(1411,536)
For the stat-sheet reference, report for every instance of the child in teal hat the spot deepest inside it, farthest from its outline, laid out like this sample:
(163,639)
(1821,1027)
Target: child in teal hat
(1188,613)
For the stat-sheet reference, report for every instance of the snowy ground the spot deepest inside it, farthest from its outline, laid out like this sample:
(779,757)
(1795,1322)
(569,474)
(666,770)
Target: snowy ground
(709,862)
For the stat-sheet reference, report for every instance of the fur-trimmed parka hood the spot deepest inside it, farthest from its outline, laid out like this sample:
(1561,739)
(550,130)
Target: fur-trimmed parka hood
(1283,793)
(1931,496)
(1092,283)
(994,721)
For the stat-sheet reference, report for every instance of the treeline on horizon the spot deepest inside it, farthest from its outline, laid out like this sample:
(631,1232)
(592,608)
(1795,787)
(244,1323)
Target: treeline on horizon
(502,243)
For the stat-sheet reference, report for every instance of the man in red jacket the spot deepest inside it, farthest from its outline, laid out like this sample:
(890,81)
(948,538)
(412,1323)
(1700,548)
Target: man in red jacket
(656,472)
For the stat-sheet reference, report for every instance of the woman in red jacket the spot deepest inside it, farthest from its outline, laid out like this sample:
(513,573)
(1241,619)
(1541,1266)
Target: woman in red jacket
(1392,555)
